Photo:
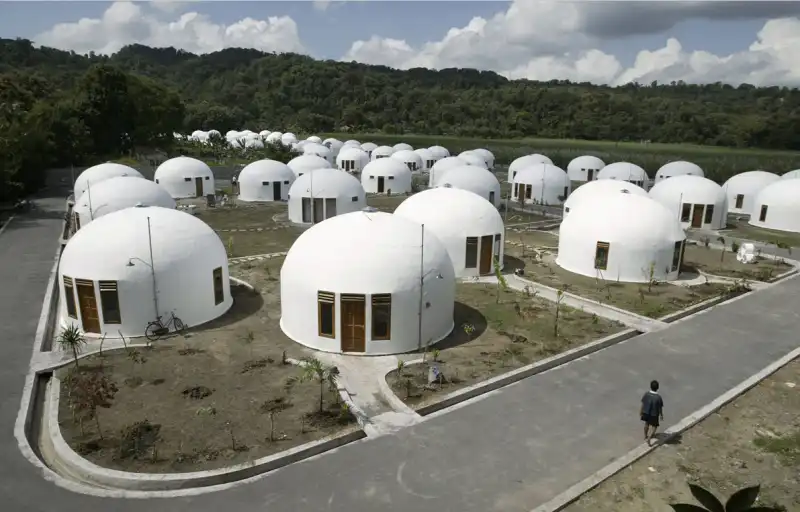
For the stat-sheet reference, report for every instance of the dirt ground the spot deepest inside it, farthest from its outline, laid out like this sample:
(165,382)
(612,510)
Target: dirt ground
(660,300)
(531,238)
(276,234)
(741,229)
(490,339)
(517,217)
(241,379)
(714,261)
(753,440)
(385,203)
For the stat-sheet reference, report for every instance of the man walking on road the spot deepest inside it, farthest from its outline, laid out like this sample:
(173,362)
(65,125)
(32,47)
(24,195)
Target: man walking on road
(652,410)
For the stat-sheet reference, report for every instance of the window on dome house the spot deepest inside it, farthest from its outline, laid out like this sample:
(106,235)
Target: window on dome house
(601,255)
(109,301)
(763,215)
(686,210)
(382,316)
(739,200)
(471,260)
(69,295)
(219,291)
(326,308)
(709,214)
(677,255)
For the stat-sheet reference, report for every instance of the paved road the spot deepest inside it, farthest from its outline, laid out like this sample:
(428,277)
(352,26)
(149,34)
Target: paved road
(507,453)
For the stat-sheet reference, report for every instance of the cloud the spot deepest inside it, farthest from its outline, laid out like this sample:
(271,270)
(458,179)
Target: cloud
(321,5)
(546,40)
(125,23)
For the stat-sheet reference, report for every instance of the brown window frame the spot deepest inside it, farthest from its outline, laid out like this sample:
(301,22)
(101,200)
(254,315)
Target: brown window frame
(326,299)
(380,301)
(601,263)
(762,215)
(709,214)
(69,294)
(739,201)
(686,212)
(219,291)
(474,259)
(109,302)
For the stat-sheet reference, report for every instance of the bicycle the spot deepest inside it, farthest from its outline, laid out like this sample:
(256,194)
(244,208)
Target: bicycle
(157,328)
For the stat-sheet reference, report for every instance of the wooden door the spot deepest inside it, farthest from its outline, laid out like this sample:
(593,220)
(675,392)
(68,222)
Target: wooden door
(198,187)
(319,210)
(697,215)
(589,174)
(487,247)
(276,190)
(87,303)
(380,184)
(352,319)
(330,207)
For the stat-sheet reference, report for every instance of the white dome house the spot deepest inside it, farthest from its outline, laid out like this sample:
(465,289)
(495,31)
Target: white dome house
(526,161)
(488,157)
(335,145)
(678,168)
(124,269)
(352,142)
(402,146)
(584,168)
(320,151)
(473,158)
(351,159)
(274,137)
(323,194)
(625,171)
(698,202)
(470,227)
(442,166)
(541,184)
(185,177)
(381,152)
(631,236)
(743,188)
(386,176)
(94,175)
(439,152)
(791,175)
(370,288)
(265,181)
(592,189)
(369,147)
(475,179)
(288,138)
(116,194)
(314,139)
(409,158)
(305,163)
(777,206)
(426,157)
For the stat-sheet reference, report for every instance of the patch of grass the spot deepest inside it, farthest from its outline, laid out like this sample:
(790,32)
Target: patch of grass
(385,203)
(740,229)
(786,447)
(714,261)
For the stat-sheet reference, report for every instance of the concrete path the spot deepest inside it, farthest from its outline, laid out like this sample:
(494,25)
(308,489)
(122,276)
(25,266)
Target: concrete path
(638,322)
(508,452)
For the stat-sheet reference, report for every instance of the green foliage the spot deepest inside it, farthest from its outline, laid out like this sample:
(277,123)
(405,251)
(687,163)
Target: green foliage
(71,339)
(315,370)
(742,500)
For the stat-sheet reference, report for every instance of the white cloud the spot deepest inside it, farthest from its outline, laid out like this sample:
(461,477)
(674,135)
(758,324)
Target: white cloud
(546,40)
(125,23)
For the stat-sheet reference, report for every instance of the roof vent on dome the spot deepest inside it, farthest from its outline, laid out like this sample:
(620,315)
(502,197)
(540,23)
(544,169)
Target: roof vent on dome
(625,191)
(140,205)
(369,209)
(447,185)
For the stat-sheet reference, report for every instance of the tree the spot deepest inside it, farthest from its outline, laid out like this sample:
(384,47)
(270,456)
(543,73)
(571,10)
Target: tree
(315,370)
(559,299)
(71,339)
(502,284)
(273,408)
(92,390)
(741,501)
(721,240)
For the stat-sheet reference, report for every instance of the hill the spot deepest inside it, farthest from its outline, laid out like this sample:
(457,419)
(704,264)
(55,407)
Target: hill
(69,108)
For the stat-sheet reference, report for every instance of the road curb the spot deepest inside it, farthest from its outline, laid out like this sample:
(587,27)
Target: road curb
(581,488)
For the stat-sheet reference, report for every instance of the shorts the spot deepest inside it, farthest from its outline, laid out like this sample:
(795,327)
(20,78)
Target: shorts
(650,420)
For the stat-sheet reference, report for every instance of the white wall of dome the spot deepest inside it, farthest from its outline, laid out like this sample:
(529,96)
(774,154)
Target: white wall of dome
(324,193)
(544,184)
(697,201)
(475,179)
(386,176)
(777,206)
(584,168)
(625,171)
(678,168)
(742,189)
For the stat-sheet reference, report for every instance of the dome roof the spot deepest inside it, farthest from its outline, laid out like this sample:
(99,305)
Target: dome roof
(487,156)
(94,175)
(402,146)
(288,138)
(542,173)
(584,162)
(352,142)
(354,153)
(592,189)
(622,171)
(445,164)
(328,183)
(474,179)
(439,152)
(451,212)
(425,155)
(253,176)
(385,167)
(780,199)
(687,188)
(791,175)
(305,163)
(527,161)
(678,168)
(406,156)
(369,146)
(364,252)
(472,158)
(314,139)
(742,188)
(179,166)
(382,151)
(119,193)
(274,137)
(319,150)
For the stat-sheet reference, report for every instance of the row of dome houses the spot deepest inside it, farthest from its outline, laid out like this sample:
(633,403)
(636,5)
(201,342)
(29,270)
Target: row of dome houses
(377,283)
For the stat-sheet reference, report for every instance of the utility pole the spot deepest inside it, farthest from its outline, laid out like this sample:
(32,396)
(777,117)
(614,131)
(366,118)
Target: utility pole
(89,191)
(152,267)
(421,283)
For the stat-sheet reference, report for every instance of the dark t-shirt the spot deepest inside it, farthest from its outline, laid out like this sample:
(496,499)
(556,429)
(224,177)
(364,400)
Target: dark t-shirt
(652,404)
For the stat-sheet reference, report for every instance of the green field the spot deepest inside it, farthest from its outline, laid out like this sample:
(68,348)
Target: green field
(719,163)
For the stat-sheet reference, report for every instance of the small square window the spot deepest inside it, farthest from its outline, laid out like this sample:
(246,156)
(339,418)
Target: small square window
(187,179)
(208,178)
(265,183)
(355,199)
(286,182)
(372,177)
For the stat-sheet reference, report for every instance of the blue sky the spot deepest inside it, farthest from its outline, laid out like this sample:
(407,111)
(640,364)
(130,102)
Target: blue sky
(329,33)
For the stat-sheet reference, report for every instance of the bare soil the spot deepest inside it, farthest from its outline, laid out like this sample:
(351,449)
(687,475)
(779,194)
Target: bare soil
(492,338)
(741,229)
(753,440)
(655,301)
(531,238)
(248,229)
(386,203)
(205,396)
(717,262)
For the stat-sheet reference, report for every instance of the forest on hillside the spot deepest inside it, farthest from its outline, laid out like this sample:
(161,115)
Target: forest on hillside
(59,108)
